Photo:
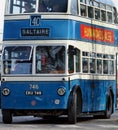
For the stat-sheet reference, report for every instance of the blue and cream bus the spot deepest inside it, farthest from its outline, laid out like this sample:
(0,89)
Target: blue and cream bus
(59,58)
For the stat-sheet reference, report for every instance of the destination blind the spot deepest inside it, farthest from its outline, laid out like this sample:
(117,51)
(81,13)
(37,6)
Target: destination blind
(35,32)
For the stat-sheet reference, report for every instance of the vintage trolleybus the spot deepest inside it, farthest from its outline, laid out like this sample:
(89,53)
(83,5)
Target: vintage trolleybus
(59,58)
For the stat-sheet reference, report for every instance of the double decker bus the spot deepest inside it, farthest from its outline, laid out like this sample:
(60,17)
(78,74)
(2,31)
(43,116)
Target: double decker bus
(59,58)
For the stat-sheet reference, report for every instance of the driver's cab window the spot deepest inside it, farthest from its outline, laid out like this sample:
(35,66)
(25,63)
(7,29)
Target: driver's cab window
(17,60)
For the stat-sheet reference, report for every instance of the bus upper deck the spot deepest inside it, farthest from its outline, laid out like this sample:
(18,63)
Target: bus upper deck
(97,9)
(98,16)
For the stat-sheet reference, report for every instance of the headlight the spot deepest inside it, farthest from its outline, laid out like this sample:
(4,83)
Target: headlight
(61,91)
(5,91)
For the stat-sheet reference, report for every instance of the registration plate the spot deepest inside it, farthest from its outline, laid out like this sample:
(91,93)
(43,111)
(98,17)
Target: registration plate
(32,93)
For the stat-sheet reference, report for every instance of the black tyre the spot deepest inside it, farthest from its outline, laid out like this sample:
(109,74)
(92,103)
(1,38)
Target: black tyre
(6,116)
(72,109)
(109,106)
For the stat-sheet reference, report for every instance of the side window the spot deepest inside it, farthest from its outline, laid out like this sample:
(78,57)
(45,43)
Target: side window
(98,63)
(90,12)
(103,15)
(85,62)
(111,67)
(115,18)
(109,17)
(85,65)
(99,66)
(97,13)
(105,66)
(83,10)
(92,66)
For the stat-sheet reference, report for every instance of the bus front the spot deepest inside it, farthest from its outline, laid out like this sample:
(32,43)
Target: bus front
(34,81)
(35,61)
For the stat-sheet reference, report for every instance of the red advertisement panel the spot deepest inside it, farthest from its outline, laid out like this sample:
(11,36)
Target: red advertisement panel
(97,34)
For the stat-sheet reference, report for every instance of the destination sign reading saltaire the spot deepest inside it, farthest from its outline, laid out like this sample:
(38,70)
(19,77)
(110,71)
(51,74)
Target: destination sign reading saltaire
(35,32)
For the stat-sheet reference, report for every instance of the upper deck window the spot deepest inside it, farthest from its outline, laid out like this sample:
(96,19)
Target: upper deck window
(103,6)
(20,6)
(96,4)
(74,7)
(29,6)
(109,7)
(90,2)
(83,10)
(52,6)
(83,1)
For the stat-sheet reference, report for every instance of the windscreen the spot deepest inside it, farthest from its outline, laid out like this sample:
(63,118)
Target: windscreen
(50,59)
(41,60)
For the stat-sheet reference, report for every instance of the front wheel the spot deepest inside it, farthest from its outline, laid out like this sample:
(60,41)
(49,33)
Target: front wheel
(6,116)
(72,109)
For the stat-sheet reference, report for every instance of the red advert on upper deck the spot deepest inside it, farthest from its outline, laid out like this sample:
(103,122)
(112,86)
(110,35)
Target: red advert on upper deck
(97,34)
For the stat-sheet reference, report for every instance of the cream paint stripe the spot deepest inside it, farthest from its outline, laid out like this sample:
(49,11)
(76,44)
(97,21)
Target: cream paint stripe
(57,78)
(38,78)
(38,42)
(97,48)
(83,46)
(58,16)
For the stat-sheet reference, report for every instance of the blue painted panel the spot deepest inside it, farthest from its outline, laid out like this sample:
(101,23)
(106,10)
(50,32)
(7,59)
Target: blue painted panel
(93,95)
(19,100)
(58,29)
